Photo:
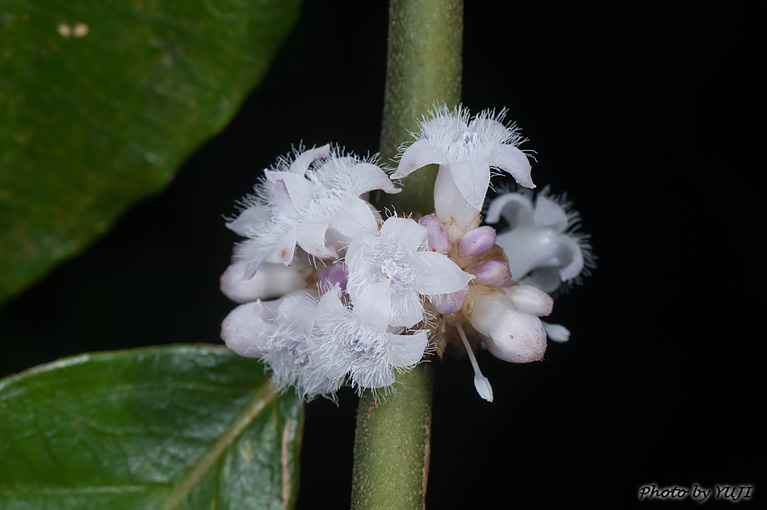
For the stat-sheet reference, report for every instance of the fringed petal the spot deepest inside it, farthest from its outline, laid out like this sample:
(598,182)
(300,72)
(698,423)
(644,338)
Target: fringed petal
(437,274)
(367,177)
(472,179)
(513,161)
(516,209)
(417,155)
(549,214)
(406,350)
(301,164)
(270,281)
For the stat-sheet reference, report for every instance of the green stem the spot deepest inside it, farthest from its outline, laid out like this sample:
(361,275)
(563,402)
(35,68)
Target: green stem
(423,67)
(391,450)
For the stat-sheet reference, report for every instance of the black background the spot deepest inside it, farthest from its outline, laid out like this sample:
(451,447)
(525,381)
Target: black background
(641,113)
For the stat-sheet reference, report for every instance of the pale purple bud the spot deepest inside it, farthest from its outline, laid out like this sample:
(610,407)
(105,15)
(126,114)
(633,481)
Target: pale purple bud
(436,234)
(331,275)
(477,241)
(449,303)
(530,300)
(494,273)
(247,328)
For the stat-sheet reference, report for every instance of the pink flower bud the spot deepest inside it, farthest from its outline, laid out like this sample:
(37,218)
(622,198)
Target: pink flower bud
(331,275)
(530,300)
(247,328)
(436,234)
(476,242)
(494,273)
(449,303)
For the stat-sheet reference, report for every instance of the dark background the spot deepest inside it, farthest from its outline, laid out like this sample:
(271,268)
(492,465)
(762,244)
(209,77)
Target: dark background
(641,113)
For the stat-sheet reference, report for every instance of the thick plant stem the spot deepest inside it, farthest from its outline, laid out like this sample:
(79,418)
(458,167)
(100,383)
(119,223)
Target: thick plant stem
(423,67)
(391,451)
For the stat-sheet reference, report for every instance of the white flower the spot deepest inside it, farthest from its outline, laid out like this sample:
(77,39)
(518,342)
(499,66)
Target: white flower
(298,356)
(465,151)
(399,256)
(316,208)
(361,339)
(282,333)
(543,245)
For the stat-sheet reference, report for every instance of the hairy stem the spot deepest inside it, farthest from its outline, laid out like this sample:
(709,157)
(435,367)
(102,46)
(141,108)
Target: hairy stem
(391,451)
(423,67)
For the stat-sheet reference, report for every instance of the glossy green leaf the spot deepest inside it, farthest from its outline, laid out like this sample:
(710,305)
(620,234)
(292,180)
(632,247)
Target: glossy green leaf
(102,100)
(181,427)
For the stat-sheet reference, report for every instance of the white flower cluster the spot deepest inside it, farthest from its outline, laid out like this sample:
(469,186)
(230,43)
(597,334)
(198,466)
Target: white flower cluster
(333,294)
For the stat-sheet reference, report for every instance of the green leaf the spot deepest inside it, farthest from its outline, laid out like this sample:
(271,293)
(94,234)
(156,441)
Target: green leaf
(101,101)
(181,427)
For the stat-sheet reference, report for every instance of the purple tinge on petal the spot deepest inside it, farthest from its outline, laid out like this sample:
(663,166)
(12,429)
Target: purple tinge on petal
(449,303)
(477,241)
(282,197)
(332,275)
(436,234)
(494,273)
(297,190)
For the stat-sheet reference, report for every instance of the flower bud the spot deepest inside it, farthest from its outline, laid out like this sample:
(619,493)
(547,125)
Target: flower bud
(436,234)
(449,303)
(509,334)
(530,300)
(476,242)
(331,275)
(494,273)
(247,328)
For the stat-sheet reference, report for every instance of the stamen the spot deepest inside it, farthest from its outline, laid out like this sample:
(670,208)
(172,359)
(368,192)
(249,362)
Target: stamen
(392,269)
(480,381)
